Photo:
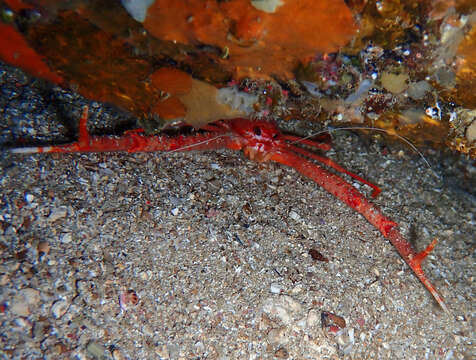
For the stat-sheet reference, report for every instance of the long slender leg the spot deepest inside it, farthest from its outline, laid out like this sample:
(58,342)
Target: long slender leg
(132,141)
(80,146)
(326,161)
(83,127)
(353,198)
(414,260)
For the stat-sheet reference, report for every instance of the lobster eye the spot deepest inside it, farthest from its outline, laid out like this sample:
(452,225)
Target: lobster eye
(257,131)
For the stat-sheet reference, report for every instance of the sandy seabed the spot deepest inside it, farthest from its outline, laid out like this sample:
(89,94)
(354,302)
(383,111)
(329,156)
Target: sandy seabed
(205,255)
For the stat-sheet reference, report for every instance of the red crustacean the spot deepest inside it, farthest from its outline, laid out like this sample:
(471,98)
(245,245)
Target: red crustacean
(261,141)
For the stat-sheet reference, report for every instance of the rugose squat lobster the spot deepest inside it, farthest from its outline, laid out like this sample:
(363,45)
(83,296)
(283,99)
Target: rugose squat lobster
(260,141)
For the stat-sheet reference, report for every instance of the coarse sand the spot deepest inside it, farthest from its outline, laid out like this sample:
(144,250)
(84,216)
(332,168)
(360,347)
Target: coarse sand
(206,255)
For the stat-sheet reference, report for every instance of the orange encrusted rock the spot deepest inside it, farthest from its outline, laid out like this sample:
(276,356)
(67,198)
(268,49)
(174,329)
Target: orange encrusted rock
(17,52)
(466,75)
(168,109)
(255,42)
(171,80)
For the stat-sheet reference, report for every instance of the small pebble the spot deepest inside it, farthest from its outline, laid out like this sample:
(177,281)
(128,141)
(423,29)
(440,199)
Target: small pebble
(57,213)
(162,352)
(278,336)
(199,346)
(4,279)
(147,331)
(301,323)
(284,308)
(175,211)
(351,335)
(128,299)
(38,330)
(313,318)
(144,275)
(97,350)
(117,355)
(297,289)
(23,323)
(59,308)
(291,304)
(294,215)
(329,319)
(44,247)
(66,238)
(32,296)
(276,288)
(24,301)
(281,353)
(80,355)
(316,255)
(362,336)
(341,338)
(20,308)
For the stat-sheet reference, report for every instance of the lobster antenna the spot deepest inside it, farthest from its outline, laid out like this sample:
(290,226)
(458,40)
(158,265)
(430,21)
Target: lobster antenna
(404,139)
(191,146)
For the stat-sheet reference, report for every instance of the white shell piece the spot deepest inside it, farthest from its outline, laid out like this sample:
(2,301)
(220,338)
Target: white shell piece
(137,8)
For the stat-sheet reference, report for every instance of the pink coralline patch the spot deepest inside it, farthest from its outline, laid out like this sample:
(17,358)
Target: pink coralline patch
(256,43)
